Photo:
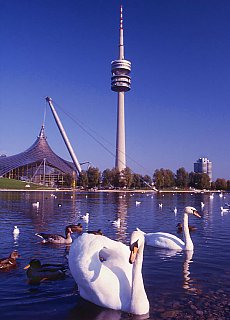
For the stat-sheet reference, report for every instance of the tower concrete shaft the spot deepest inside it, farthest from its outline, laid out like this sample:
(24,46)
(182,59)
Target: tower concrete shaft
(120,162)
(120,83)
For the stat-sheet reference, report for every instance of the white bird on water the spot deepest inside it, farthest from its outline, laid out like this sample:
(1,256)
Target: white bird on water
(35,204)
(138,203)
(117,223)
(16,231)
(85,217)
(93,261)
(175,210)
(169,241)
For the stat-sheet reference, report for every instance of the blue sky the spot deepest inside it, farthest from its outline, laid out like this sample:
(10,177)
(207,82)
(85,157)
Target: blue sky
(177,110)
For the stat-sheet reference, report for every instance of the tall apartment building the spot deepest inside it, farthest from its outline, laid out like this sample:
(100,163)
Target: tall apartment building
(203,165)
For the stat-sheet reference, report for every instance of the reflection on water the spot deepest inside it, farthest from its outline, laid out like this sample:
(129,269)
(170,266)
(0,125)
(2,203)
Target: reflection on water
(122,214)
(171,278)
(187,285)
(89,311)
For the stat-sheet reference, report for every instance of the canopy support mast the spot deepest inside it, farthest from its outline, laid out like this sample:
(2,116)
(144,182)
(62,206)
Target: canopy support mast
(64,135)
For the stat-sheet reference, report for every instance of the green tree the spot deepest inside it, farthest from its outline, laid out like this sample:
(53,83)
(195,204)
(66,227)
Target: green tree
(228,184)
(221,184)
(169,180)
(199,180)
(68,180)
(205,181)
(137,181)
(158,178)
(83,179)
(146,181)
(126,178)
(107,178)
(164,178)
(93,175)
(115,177)
(182,178)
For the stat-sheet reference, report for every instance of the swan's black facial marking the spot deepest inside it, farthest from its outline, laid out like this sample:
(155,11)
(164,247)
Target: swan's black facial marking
(133,245)
(133,251)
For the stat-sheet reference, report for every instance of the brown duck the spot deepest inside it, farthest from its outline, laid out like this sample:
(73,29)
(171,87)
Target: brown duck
(76,227)
(96,232)
(179,228)
(10,262)
(56,238)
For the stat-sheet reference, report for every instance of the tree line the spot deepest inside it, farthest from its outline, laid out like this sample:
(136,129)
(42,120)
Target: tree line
(161,179)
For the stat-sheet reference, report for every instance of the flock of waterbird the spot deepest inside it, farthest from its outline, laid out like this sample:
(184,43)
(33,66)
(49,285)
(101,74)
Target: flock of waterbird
(95,260)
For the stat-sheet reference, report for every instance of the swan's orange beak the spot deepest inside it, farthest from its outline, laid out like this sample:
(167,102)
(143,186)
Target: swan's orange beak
(133,253)
(196,214)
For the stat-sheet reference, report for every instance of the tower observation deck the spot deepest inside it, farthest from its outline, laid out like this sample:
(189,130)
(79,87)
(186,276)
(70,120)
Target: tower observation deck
(120,83)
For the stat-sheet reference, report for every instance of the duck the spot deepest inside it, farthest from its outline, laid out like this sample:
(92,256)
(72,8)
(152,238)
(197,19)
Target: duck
(169,241)
(96,232)
(180,228)
(96,261)
(37,272)
(56,238)
(10,262)
(76,227)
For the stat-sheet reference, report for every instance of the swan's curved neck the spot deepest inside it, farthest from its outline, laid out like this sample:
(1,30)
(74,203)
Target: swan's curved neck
(138,289)
(187,239)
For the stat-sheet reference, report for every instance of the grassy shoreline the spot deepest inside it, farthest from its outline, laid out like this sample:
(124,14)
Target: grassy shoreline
(16,185)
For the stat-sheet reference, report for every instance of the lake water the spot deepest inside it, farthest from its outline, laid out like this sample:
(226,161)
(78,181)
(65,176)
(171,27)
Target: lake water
(179,285)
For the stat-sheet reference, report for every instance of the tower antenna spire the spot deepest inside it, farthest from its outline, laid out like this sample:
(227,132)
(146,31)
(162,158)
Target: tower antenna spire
(121,43)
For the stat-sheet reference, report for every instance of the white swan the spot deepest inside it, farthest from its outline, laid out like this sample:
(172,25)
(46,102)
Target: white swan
(16,231)
(117,223)
(85,217)
(224,209)
(109,275)
(35,204)
(169,241)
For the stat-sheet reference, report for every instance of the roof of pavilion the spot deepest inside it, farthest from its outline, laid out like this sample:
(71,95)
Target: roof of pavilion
(39,151)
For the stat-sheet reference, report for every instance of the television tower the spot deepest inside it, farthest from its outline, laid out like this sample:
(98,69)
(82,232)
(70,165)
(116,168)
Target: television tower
(120,83)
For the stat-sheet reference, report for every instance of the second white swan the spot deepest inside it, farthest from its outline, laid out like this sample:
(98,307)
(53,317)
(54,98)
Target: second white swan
(169,241)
